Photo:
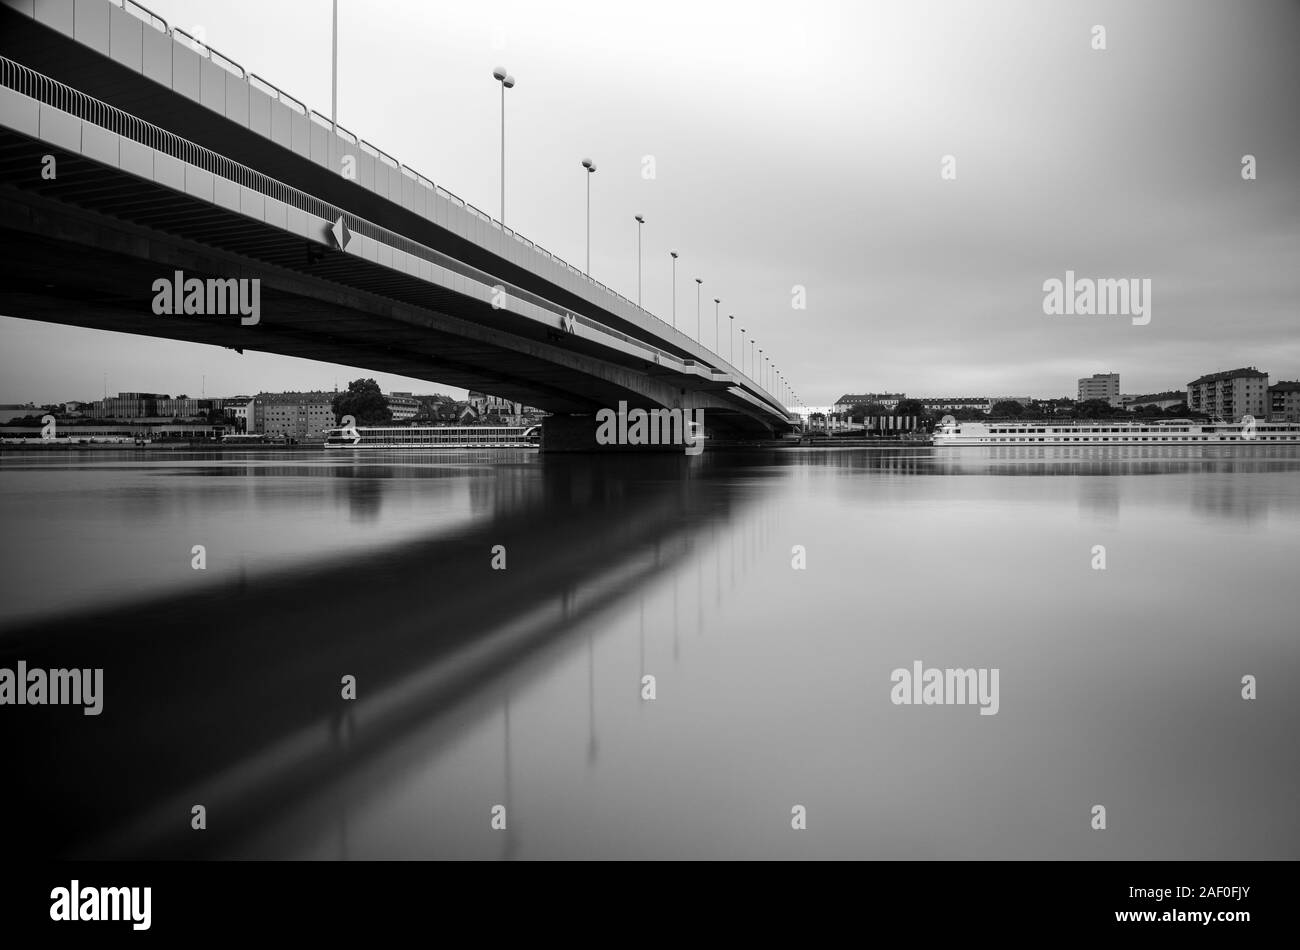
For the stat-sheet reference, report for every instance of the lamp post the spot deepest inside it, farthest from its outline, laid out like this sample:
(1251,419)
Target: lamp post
(674,256)
(698,284)
(591,170)
(716,348)
(640,221)
(334,71)
(742,349)
(731,339)
(507,82)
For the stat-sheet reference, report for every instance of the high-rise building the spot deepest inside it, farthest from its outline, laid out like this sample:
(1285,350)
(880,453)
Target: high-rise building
(1231,394)
(1100,386)
(403,406)
(1284,401)
(302,417)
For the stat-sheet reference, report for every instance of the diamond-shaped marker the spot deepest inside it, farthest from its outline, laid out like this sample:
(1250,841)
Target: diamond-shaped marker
(341,234)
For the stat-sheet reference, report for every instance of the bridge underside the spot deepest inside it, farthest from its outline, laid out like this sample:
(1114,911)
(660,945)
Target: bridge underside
(85,248)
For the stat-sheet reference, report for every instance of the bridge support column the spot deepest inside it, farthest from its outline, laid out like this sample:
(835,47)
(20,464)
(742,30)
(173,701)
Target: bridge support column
(578,434)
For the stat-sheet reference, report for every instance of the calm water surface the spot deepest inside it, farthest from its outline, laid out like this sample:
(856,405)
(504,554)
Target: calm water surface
(522,688)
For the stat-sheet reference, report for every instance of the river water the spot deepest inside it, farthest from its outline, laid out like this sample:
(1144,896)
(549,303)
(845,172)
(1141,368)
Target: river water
(498,613)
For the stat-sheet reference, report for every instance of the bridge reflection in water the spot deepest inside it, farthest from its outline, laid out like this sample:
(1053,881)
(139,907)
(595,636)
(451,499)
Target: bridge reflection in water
(231,697)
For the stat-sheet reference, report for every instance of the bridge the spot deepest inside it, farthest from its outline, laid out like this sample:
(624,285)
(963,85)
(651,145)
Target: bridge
(131,153)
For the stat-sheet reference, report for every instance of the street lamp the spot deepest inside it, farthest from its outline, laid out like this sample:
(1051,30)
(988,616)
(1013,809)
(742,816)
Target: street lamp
(731,339)
(334,70)
(742,349)
(507,82)
(640,221)
(717,349)
(591,170)
(698,284)
(674,255)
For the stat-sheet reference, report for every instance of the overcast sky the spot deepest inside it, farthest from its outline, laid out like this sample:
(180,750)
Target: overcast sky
(801,144)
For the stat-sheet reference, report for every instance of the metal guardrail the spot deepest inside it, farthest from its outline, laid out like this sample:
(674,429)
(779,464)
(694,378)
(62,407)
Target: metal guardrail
(295,104)
(51,92)
(144,13)
(203,49)
(300,107)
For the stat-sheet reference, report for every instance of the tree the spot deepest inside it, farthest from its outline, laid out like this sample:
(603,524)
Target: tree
(1007,407)
(910,407)
(364,402)
(1094,408)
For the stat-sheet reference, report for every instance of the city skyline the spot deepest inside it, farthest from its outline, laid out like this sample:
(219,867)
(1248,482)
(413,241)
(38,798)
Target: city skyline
(925,284)
(462,395)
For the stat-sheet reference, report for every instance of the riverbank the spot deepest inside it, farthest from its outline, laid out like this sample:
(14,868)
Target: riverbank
(37,446)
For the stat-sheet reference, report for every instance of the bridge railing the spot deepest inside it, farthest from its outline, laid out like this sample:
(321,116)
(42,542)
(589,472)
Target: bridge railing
(300,107)
(51,92)
(144,13)
(206,51)
(273,90)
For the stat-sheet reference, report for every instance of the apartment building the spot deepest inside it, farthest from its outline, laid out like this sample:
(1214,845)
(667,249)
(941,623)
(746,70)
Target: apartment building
(1103,386)
(301,417)
(1231,394)
(1284,401)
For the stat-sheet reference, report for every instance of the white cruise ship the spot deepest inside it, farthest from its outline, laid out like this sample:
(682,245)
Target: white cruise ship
(434,437)
(1107,432)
